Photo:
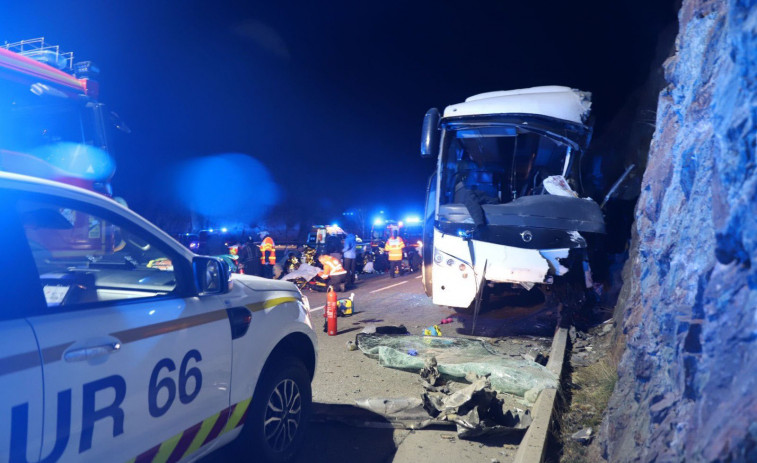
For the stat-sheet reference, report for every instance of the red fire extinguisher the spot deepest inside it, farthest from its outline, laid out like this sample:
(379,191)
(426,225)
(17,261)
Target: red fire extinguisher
(331,311)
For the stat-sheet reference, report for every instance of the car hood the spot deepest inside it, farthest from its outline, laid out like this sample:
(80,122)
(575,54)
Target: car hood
(263,284)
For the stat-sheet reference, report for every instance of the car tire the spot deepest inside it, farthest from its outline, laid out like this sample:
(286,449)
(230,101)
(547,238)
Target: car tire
(284,393)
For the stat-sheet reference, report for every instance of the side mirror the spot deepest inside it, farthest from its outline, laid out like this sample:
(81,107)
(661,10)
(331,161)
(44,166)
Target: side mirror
(211,275)
(430,134)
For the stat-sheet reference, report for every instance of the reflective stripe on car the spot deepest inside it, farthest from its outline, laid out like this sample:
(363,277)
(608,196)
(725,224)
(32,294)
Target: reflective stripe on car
(188,441)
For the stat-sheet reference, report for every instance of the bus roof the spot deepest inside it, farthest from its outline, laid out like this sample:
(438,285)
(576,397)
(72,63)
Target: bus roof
(554,101)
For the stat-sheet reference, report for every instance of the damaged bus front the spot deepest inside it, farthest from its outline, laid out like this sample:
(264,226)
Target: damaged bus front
(501,209)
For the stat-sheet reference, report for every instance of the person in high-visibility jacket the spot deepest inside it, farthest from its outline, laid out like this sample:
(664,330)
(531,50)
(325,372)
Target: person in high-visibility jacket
(269,260)
(394,247)
(333,273)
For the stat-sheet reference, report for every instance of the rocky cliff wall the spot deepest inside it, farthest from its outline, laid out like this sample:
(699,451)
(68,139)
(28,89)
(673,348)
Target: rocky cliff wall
(687,388)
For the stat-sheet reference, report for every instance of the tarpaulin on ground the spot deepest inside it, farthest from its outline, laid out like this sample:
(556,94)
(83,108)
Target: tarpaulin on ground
(456,358)
(308,272)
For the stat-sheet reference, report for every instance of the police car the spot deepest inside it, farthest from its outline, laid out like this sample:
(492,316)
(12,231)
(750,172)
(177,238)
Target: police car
(119,344)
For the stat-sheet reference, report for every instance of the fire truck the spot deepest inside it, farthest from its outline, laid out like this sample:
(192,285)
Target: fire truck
(54,127)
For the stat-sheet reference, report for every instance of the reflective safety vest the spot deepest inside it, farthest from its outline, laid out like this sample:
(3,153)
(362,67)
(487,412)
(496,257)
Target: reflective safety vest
(331,266)
(394,247)
(267,245)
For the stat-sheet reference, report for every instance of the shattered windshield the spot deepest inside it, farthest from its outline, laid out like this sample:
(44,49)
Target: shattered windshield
(501,162)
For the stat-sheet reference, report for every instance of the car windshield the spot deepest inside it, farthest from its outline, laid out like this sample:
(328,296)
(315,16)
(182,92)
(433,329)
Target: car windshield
(500,161)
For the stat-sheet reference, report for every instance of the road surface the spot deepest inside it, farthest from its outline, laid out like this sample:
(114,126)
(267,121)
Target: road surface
(344,376)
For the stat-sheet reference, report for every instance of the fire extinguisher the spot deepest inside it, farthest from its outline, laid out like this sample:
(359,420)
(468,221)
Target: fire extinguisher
(331,311)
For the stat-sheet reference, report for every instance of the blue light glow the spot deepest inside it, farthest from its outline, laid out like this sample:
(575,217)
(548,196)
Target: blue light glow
(78,160)
(413,219)
(378,222)
(226,186)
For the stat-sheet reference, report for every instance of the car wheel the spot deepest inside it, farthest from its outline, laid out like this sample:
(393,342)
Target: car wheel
(280,411)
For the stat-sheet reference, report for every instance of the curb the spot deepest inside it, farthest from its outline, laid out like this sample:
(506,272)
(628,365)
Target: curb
(534,443)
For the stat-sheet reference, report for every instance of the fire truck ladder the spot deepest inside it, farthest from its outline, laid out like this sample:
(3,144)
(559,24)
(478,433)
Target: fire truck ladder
(38,50)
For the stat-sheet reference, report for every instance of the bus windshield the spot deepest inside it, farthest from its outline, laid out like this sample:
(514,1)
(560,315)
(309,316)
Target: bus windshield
(502,162)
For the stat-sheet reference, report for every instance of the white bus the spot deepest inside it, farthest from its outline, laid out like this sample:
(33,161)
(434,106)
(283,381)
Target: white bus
(502,210)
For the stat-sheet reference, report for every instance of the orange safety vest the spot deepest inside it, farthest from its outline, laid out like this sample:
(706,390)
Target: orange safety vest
(394,247)
(267,245)
(331,266)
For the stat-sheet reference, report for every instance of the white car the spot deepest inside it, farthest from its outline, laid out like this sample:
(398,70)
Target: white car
(119,344)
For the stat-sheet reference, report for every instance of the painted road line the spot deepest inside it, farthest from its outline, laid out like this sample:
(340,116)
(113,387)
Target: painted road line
(317,308)
(387,287)
(419,277)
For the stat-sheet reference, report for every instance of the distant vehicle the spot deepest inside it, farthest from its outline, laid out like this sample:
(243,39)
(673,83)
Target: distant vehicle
(322,237)
(190,240)
(138,348)
(501,210)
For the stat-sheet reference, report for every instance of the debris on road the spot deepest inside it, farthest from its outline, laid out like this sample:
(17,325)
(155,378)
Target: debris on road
(430,375)
(535,357)
(456,358)
(476,410)
(410,408)
(432,330)
(583,436)
(373,329)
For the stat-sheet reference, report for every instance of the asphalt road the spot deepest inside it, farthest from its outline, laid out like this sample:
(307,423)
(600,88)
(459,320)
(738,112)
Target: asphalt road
(344,376)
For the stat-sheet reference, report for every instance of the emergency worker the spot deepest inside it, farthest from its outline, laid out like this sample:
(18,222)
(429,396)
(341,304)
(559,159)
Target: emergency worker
(267,254)
(394,247)
(249,256)
(350,253)
(333,273)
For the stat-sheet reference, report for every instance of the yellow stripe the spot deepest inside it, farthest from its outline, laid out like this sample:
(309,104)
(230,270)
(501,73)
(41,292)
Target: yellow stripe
(166,449)
(168,446)
(237,415)
(205,429)
(267,304)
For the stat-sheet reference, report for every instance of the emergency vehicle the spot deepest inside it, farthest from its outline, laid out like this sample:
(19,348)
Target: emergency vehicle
(501,207)
(142,351)
(53,124)
(54,127)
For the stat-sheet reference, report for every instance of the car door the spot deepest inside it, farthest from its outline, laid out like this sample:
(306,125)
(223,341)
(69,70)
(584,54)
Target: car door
(20,365)
(135,363)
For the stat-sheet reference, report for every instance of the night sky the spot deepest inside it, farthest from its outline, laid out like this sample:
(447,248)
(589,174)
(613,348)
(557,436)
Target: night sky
(328,91)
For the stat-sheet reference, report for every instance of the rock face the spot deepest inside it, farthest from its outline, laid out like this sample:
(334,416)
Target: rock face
(687,386)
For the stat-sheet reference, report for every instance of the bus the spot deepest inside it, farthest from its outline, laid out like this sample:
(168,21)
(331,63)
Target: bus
(503,207)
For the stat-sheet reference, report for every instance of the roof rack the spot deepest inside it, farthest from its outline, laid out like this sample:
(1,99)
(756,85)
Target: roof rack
(39,50)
